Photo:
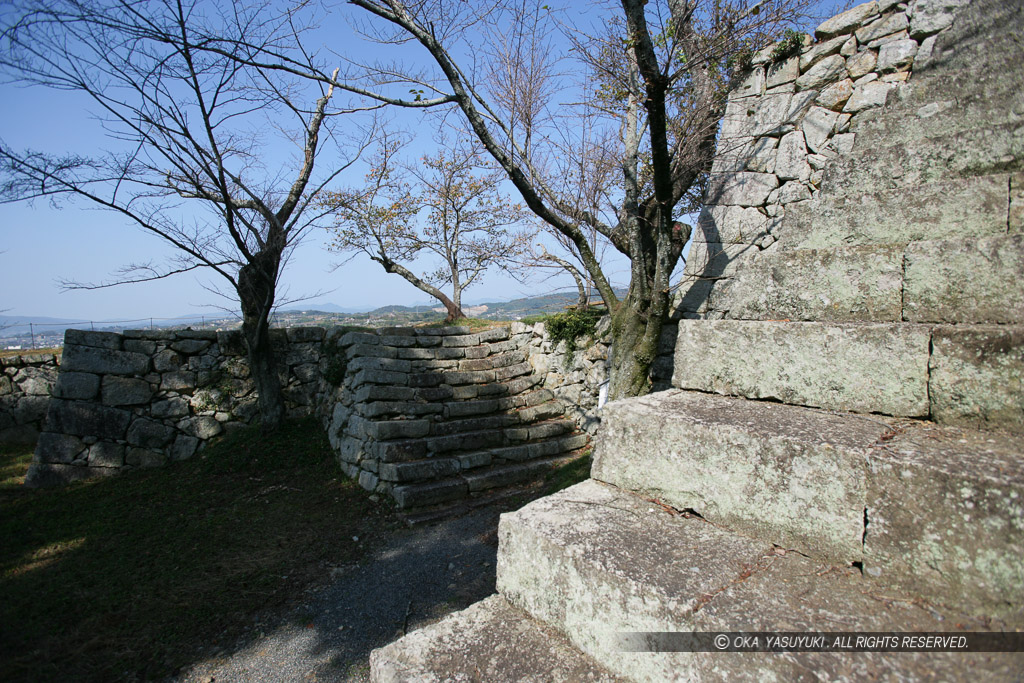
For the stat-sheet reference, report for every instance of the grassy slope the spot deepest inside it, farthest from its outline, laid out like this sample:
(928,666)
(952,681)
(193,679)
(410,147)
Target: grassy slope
(126,578)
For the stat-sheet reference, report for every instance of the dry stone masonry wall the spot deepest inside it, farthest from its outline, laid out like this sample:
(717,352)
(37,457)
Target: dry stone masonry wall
(25,385)
(828,208)
(430,415)
(144,398)
(426,415)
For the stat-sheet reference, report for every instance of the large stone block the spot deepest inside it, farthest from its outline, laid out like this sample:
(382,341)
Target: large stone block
(87,419)
(945,518)
(103,361)
(791,476)
(965,280)
(848,21)
(741,189)
(973,206)
(126,391)
(99,340)
(150,433)
(857,367)
(856,284)
(931,16)
(977,376)
(58,448)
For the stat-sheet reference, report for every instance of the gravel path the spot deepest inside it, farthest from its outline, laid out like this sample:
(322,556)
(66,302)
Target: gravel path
(418,576)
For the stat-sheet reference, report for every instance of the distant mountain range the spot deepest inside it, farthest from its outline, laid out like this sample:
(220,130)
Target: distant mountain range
(13,325)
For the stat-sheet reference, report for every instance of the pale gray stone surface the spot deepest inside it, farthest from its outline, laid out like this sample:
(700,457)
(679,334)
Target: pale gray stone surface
(836,95)
(853,284)
(862,63)
(977,376)
(791,161)
(818,125)
(866,96)
(791,476)
(826,72)
(966,281)
(931,16)
(883,26)
(782,72)
(813,54)
(976,206)
(884,366)
(848,20)
(946,519)
(741,189)
(896,55)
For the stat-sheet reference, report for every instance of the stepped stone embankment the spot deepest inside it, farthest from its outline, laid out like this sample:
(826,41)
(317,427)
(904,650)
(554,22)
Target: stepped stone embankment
(426,415)
(843,448)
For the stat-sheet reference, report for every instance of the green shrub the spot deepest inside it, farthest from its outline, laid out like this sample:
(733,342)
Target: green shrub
(790,44)
(571,325)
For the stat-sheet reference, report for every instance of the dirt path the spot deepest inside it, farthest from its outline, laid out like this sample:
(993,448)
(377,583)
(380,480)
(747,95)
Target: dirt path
(418,576)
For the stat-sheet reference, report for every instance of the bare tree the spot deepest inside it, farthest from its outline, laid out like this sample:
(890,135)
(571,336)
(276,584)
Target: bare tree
(655,78)
(468,227)
(188,123)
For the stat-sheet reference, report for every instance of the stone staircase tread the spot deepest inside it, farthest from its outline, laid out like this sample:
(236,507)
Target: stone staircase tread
(980,150)
(489,641)
(841,487)
(596,562)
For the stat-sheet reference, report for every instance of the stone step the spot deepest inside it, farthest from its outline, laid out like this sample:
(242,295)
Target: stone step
(599,564)
(942,104)
(978,206)
(439,467)
(916,282)
(966,375)
(499,471)
(932,509)
(416,448)
(489,641)
(984,150)
(857,367)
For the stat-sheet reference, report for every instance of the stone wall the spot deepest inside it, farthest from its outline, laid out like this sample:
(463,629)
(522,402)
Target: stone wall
(26,382)
(144,398)
(788,124)
(422,414)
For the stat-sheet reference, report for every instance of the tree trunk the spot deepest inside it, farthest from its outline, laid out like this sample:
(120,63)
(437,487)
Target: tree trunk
(256,288)
(453,307)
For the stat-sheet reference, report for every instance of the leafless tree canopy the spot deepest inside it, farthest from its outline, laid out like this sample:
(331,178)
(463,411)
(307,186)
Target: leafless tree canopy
(446,206)
(188,122)
(605,125)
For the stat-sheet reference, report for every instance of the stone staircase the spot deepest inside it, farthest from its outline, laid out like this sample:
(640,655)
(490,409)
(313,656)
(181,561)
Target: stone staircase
(843,448)
(433,415)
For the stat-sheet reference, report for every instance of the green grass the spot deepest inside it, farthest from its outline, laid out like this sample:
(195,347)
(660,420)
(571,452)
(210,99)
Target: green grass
(130,577)
(564,476)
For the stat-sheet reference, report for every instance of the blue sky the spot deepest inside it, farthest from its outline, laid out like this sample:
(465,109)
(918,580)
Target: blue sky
(40,244)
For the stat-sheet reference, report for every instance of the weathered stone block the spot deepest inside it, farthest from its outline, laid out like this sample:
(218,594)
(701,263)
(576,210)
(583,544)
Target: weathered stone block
(977,206)
(418,495)
(150,433)
(190,346)
(791,476)
(931,16)
(975,280)
(181,380)
(126,391)
(99,340)
(785,71)
(58,448)
(898,54)
(791,161)
(1016,216)
(856,284)
(423,470)
(103,361)
(46,475)
(847,21)
(106,454)
(883,367)
(826,72)
(741,189)
(867,96)
(751,85)
(945,518)
(86,419)
(398,429)
(884,26)
(144,457)
(977,376)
